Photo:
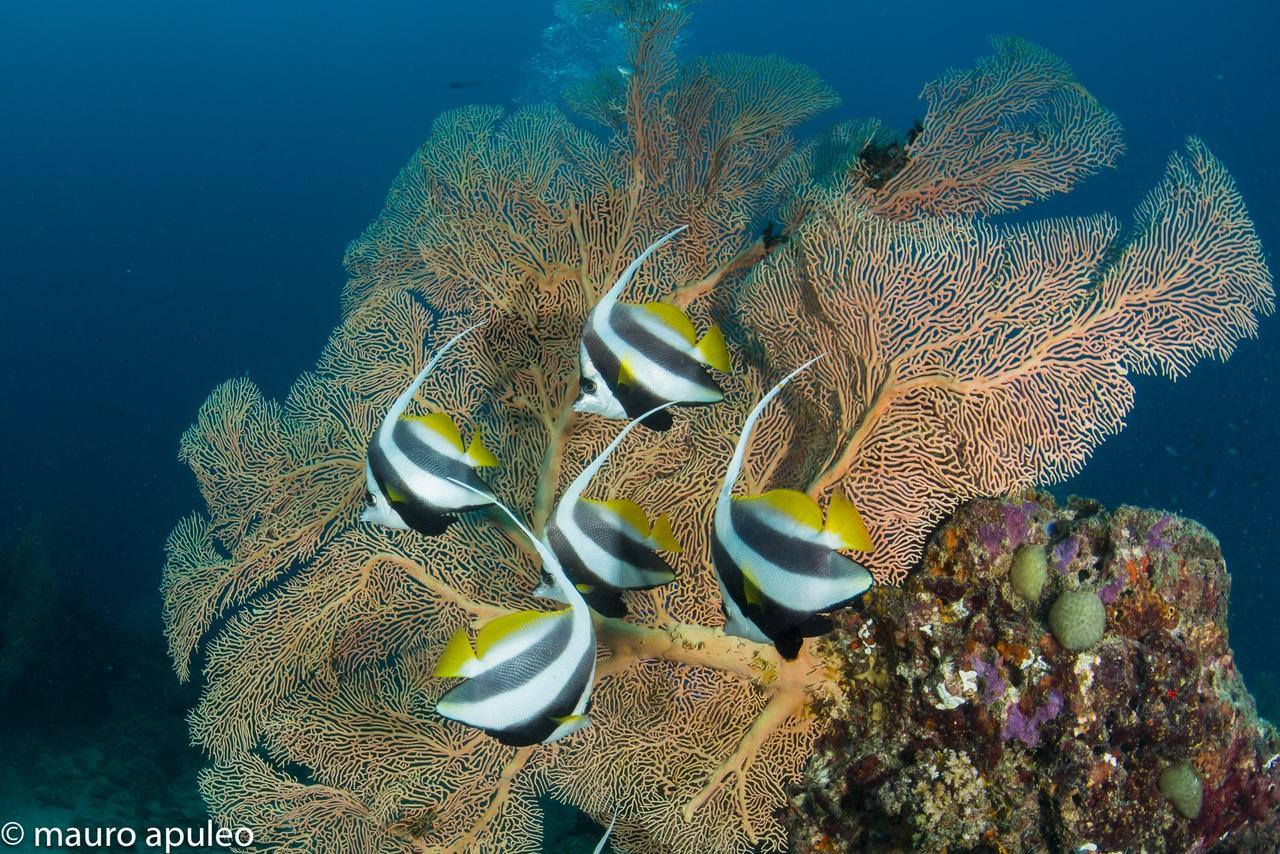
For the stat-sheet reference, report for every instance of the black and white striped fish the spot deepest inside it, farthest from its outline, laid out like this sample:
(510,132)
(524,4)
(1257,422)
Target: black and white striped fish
(606,547)
(529,675)
(412,460)
(634,357)
(777,562)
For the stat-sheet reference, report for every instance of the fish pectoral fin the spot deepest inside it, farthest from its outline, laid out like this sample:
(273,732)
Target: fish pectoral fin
(510,627)
(845,525)
(477,454)
(751,588)
(458,658)
(395,496)
(441,424)
(712,350)
(625,375)
(585,588)
(661,537)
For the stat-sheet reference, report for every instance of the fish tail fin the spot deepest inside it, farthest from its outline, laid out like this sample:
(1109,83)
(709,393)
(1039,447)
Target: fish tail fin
(458,658)
(662,537)
(845,525)
(712,350)
(477,454)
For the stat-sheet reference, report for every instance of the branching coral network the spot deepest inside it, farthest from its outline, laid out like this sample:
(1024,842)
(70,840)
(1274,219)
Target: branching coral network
(967,358)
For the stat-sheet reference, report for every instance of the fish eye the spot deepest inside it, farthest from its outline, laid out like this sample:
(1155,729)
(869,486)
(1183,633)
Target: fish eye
(587,386)
(369,500)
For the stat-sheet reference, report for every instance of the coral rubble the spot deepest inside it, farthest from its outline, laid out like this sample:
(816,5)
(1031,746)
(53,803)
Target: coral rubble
(963,724)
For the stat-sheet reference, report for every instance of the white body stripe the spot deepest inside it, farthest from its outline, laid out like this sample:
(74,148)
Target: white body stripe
(438,491)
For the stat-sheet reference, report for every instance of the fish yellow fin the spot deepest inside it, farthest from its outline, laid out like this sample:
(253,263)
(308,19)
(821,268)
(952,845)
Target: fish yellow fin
(751,588)
(440,424)
(394,495)
(793,504)
(629,512)
(845,523)
(662,537)
(585,589)
(712,350)
(674,318)
(477,454)
(507,625)
(625,374)
(569,719)
(458,658)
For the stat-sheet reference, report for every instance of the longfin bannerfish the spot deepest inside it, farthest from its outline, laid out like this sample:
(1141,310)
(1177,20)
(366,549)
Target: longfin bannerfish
(606,547)
(777,560)
(413,458)
(634,357)
(529,674)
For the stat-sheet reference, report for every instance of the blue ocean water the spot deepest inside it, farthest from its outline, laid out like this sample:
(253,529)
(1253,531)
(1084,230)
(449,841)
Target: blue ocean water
(178,183)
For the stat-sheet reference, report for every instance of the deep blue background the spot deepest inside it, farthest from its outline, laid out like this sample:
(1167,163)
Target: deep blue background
(178,182)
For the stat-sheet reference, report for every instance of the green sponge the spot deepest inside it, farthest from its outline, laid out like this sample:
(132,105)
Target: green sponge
(1029,571)
(1181,784)
(1077,619)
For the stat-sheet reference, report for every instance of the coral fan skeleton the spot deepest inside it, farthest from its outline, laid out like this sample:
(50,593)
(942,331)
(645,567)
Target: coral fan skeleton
(966,358)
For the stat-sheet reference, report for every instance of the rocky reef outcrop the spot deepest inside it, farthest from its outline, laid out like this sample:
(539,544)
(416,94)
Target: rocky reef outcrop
(966,723)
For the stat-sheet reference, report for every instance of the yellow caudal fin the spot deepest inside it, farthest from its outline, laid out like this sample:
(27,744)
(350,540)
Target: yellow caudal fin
(477,454)
(662,537)
(791,503)
(845,524)
(440,424)
(712,350)
(458,659)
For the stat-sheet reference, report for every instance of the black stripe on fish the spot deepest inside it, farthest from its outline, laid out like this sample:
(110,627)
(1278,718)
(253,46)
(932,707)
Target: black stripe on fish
(540,722)
(789,553)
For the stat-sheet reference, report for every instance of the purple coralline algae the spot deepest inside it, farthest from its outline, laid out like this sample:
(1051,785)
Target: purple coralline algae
(959,723)
(993,687)
(1026,728)
(1065,552)
(1155,537)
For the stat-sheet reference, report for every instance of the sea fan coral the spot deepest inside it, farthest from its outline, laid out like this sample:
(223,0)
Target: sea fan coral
(967,358)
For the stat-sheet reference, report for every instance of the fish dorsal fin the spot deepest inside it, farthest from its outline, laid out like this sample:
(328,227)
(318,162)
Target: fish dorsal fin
(477,454)
(662,537)
(440,424)
(673,318)
(629,512)
(610,298)
(845,525)
(579,484)
(793,504)
(512,628)
(740,452)
(406,397)
(712,350)
(458,658)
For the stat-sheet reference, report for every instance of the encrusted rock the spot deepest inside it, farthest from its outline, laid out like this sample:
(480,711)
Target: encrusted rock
(1034,746)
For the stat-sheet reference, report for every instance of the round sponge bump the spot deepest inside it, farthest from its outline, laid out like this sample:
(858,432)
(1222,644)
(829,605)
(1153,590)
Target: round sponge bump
(1077,619)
